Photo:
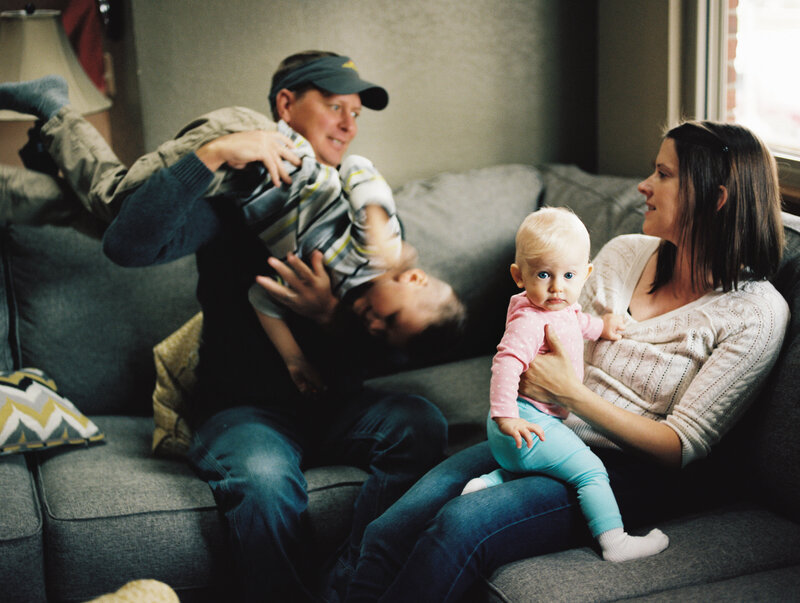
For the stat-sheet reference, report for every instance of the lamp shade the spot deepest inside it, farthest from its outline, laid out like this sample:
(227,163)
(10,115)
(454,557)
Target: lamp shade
(34,45)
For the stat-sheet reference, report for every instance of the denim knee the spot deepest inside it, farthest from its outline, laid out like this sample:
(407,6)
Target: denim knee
(416,421)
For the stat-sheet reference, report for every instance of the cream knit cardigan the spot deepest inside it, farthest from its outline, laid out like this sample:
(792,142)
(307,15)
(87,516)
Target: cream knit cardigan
(696,368)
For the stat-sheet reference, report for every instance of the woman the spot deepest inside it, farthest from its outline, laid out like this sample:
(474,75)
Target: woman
(703,329)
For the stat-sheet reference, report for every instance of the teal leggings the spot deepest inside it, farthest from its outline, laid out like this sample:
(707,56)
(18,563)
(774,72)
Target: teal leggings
(561,455)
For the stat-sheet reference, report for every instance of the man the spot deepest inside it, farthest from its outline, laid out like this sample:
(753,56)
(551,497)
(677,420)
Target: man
(254,432)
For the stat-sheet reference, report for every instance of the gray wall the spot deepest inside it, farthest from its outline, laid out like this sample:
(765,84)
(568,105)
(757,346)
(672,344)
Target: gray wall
(633,104)
(472,83)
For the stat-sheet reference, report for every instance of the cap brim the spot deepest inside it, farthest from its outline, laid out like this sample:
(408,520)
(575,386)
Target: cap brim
(372,96)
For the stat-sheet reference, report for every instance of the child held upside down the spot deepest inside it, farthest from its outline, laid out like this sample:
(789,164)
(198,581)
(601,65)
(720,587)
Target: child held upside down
(347,213)
(552,265)
(350,216)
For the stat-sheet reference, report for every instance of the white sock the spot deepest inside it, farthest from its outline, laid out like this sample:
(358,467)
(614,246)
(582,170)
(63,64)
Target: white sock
(474,485)
(618,545)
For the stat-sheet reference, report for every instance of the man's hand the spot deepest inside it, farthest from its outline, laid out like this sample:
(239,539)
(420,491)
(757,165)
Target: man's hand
(240,148)
(519,429)
(308,288)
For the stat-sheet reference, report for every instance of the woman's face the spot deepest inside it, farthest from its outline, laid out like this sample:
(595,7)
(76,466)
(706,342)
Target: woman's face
(327,121)
(661,191)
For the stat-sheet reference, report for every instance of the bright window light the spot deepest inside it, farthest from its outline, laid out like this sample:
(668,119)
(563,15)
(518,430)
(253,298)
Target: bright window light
(764,81)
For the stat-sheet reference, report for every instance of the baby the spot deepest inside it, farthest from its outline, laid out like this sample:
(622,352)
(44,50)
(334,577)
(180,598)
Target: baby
(552,265)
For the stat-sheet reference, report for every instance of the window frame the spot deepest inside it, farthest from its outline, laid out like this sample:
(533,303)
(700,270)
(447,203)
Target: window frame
(706,26)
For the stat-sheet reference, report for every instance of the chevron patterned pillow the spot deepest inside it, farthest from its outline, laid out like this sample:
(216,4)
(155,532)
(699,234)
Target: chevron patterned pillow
(33,416)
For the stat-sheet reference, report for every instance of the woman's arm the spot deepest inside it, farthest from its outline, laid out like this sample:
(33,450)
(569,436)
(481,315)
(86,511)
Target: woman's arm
(551,378)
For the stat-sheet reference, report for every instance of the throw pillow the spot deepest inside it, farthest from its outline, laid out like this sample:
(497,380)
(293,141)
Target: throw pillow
(176,360)
(33,416)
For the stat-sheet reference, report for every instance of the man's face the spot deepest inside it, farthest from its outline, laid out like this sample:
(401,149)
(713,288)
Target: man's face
(327,121)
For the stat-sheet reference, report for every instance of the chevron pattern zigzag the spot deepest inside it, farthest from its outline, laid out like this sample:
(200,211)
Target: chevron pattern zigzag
(34,416)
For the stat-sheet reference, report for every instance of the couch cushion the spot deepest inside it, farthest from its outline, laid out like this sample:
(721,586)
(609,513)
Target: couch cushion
(608,205)
(775,585)
(704,548)
(463,226)
(769,431)
(21,547)
(90,324)
(332,492)
(116,513)
(461,391)
(34,416)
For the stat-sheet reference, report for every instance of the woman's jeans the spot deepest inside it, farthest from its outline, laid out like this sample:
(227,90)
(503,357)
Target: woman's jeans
(253,460)
(433,544)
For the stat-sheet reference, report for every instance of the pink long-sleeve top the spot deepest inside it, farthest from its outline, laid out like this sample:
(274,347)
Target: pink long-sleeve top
(524,338)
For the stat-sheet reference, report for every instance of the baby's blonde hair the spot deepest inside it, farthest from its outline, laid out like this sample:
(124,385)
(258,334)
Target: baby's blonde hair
(547,230)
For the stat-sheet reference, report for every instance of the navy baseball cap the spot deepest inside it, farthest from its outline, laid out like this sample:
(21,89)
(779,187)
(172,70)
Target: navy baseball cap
(336,75)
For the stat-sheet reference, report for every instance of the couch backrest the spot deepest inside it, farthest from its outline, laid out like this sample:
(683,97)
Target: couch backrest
(88,323)
(768,434)
(463,226)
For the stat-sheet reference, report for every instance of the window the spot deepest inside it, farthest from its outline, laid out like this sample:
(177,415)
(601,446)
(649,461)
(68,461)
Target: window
(760,46)
(763,89)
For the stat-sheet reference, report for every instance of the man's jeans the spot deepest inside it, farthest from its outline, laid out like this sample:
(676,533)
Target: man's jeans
(253,460)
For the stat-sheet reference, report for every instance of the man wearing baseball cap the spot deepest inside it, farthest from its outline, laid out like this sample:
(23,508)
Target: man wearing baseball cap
(254,433)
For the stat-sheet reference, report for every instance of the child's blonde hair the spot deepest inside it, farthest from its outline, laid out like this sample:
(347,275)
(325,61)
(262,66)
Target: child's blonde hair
(547,230)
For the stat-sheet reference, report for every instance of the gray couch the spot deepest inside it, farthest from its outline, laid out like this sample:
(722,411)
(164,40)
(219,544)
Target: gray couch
(76,522)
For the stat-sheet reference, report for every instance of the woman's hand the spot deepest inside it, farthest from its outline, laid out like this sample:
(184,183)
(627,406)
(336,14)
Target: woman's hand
(550,377)
(240,148)
(307,291)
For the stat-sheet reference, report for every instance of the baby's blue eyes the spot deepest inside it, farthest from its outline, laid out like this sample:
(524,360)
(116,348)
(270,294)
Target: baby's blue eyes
(544,274)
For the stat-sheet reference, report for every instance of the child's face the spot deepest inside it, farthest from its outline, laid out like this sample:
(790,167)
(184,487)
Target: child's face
(553,281)
(392,307)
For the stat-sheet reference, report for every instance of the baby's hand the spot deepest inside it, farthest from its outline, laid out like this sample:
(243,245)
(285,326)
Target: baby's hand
(613,324)
(305,377)
(519,429)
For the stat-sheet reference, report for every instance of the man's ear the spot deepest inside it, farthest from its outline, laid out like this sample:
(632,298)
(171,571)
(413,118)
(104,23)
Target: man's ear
(416,276)
(516,274)
(284,102)
(723,197)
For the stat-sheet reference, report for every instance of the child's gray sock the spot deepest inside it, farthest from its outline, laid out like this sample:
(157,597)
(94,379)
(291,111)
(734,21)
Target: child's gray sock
(618,545)
(42,97)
